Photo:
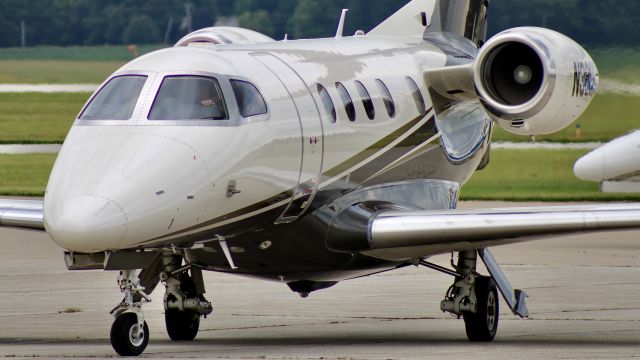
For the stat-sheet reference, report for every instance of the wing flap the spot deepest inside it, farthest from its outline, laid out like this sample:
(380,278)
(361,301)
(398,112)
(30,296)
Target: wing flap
(422,233)
(22,213)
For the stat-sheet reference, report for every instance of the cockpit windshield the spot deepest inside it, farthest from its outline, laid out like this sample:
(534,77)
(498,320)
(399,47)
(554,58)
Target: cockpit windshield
(189,98)
(116,100)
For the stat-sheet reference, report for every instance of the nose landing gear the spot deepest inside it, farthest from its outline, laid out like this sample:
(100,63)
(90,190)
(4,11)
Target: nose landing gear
(129,332)
(127,337)
(184,304)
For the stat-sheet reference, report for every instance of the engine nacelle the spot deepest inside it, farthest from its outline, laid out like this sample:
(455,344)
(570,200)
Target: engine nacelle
(221,35)
(534,81)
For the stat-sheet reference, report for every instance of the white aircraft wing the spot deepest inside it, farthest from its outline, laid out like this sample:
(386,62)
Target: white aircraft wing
(22,213)
(615,165)
(403,235)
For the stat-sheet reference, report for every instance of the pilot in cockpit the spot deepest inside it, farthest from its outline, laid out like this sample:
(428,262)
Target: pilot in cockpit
(189,98)
(210,100)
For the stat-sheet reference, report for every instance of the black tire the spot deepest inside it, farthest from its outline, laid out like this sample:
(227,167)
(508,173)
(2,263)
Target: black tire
(483,325)
(122,339)
(182,325)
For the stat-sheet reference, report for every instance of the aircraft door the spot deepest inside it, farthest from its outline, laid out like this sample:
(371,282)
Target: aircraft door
(312,138)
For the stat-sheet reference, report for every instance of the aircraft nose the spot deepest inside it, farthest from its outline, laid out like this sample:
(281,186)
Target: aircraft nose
(71,222)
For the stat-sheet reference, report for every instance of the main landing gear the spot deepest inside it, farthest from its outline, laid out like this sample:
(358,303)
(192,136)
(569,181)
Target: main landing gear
(184,302)
(475,298)
(184,305)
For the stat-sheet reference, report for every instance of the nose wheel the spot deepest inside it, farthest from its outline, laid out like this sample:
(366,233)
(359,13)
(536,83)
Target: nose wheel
(128,338)
(129,332)
(184,304)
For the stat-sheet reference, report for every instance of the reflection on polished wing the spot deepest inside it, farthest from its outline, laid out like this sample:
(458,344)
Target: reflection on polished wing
(398,235)
(22,213)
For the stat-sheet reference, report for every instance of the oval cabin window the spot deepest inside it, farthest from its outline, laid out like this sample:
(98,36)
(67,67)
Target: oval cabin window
(366,100)
(417,95)
(327,103)
(347,101)
(387,98)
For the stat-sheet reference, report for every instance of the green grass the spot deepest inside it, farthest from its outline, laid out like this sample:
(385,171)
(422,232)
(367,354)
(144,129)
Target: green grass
(56,71)
(608,117)
(614,63)
(25,175)
(513,175)
(618,63)
(64,65)
(118,53)
(38,118)
(45,118)
(535,175)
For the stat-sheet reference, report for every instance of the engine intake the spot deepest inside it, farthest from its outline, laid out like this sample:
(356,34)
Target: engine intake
(534,81)
(513,73)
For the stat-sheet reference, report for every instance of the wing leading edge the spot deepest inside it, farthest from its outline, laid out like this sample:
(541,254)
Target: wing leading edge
(22,213)
(403,235)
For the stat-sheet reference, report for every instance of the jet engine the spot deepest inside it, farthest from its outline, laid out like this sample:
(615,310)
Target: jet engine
(534,81)
(221,35)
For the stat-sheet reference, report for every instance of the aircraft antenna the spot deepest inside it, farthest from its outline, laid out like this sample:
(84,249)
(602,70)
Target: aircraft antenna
(343,17)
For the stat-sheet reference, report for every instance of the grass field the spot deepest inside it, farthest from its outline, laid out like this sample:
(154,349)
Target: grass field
(56,65)
(38,118)
(75,53)
(618,63)
(56,71)
(25,175)
(535,175)
(60,65)
(609,116)
(44,118)
(513,175)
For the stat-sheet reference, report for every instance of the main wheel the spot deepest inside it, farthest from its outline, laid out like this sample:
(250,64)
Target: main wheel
(124,335)
(182,325)
(483,325)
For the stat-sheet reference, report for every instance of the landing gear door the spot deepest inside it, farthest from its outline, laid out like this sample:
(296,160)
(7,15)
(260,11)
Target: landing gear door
(311,130)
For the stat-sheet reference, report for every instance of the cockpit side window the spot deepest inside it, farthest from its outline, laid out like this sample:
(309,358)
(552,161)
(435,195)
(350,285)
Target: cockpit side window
(250,101)
(187,97)
(116,100)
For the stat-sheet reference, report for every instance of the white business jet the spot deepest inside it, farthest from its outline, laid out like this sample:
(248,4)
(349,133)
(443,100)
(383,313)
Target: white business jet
(311,162)
(616,165)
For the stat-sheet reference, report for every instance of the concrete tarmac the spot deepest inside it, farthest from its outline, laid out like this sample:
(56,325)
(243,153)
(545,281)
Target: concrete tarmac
(584,303)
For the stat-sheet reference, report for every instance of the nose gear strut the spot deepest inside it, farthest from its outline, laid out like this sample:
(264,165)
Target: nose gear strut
(129,332)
